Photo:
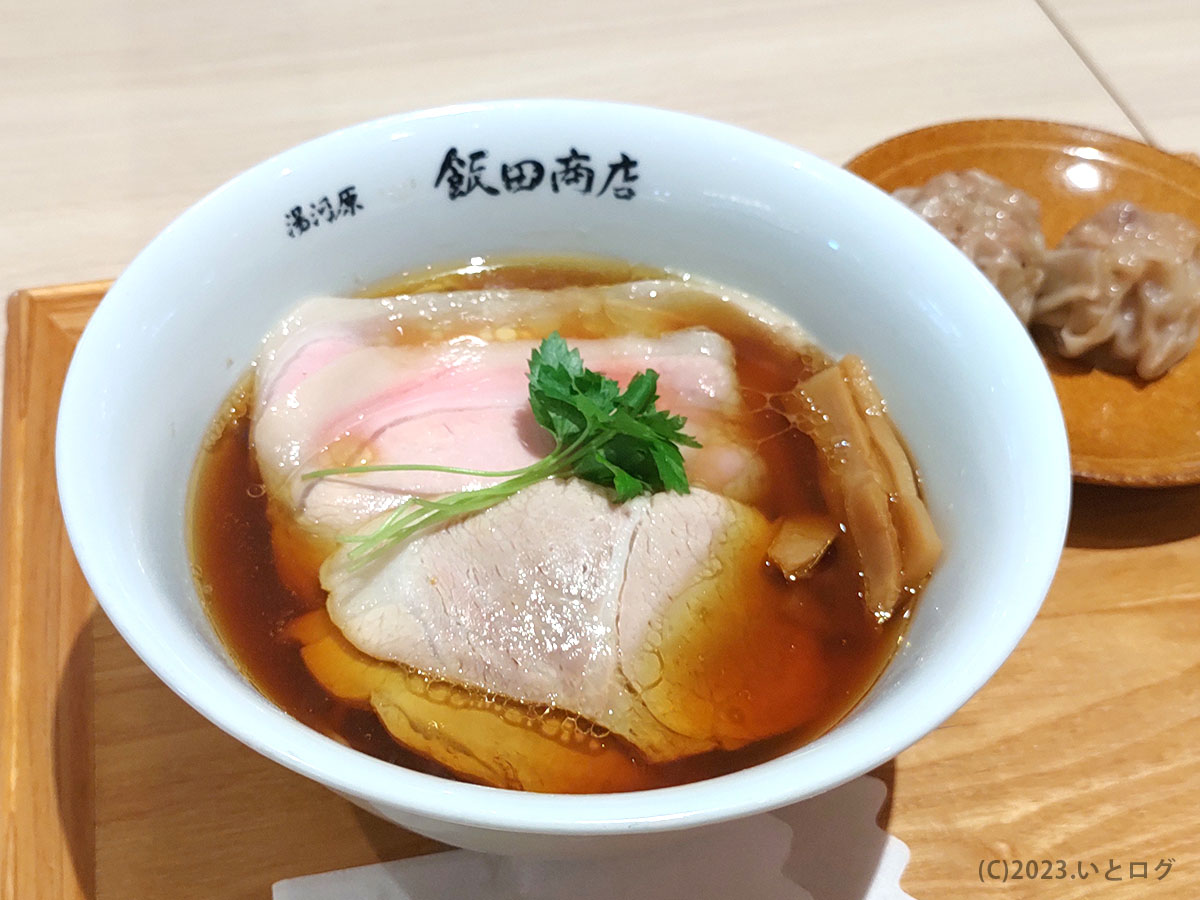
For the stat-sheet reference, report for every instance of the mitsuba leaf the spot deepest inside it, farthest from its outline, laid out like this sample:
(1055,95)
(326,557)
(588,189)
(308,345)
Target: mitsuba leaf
(618,440)
(559,416)
(625,486)
(668,427)
(641,393)
(597,388)
(669,464)
(554,354)
(634,456)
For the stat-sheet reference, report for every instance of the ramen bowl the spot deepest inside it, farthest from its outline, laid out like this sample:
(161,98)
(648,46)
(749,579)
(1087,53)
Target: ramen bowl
(860,273)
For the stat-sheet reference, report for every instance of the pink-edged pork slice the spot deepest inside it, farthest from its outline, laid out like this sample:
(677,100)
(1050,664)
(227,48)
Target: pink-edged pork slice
(341,382)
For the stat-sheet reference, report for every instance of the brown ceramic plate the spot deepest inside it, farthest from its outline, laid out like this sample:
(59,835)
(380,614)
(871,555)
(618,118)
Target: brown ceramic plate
(1121,431)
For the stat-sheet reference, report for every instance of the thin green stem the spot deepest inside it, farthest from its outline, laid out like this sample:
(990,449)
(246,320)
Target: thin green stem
(404,522)
(563,396)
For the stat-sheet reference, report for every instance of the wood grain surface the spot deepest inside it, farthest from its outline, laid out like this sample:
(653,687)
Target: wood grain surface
(1082,748)
(163,102)
(1146,54)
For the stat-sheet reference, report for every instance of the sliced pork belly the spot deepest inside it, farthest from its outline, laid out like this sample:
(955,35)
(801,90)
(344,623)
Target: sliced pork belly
(333,388)
(652,618)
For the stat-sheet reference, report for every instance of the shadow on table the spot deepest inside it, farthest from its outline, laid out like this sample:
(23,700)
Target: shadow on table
(74,763)
(155,801)
(1109,518)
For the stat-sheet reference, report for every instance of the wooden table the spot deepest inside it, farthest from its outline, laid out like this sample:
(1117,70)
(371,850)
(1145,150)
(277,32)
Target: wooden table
(118,115)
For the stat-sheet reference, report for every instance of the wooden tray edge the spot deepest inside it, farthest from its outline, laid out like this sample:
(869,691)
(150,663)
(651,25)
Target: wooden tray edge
(47,805)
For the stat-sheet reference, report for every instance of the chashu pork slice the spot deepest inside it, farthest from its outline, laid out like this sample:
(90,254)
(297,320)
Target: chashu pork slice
(442,378)
(651,618)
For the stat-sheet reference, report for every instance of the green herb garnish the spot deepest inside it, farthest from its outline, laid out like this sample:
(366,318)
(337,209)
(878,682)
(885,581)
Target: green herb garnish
(618,440)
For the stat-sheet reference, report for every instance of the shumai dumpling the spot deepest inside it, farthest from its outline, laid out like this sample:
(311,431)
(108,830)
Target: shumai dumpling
(995,224)
(1126,285)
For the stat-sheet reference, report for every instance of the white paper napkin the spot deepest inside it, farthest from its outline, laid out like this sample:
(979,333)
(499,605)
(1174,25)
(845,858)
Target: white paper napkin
(826,848)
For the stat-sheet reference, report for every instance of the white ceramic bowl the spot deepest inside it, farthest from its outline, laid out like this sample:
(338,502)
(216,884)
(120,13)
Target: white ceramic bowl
(858,270)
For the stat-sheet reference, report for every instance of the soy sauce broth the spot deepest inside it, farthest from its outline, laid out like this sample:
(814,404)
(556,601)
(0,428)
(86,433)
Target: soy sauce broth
(238,568)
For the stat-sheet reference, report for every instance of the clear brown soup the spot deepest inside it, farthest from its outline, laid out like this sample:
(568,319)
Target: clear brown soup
(251,607)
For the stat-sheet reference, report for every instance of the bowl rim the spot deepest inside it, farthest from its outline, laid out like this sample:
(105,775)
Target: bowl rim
(759,788)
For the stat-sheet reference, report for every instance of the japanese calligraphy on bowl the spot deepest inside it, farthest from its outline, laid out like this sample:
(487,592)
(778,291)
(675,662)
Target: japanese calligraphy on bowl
(300,219)
(462,175)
